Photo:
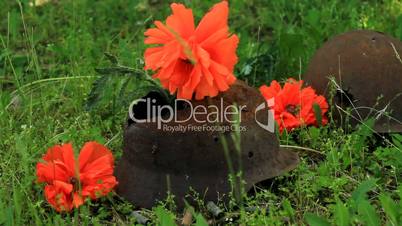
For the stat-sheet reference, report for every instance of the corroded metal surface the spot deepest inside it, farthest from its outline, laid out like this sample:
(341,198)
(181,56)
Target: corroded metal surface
(367,66)
(155,161)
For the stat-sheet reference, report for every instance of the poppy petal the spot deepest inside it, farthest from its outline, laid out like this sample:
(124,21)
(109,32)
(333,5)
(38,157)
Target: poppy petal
(91,152)
(215,20)
(59,164)
(156,36)
(181,21)
(99,188)
(190,59)
(77,200)
(224,52)
(212,40)
(48,172)
(294,104)
(195,78)
(59,195)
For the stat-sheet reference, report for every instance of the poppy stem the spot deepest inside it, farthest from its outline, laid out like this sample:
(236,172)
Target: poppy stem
(301,148)
(184,44)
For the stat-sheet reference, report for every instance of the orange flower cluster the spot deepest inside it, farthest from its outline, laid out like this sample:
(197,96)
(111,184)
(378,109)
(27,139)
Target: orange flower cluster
(69,182)
(294,105)
(193,60)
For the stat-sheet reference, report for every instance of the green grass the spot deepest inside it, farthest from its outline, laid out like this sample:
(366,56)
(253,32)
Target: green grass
(47,60)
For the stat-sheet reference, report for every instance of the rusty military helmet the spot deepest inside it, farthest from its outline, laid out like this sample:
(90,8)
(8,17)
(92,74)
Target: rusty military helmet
(156,161)
(367,74)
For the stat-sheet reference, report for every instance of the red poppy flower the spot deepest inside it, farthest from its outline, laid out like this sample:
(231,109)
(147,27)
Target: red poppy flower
(69,182)
(294,105)
(191,59)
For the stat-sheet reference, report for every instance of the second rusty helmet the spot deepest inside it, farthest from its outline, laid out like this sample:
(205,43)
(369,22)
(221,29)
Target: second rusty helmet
(156,160)
(367,71)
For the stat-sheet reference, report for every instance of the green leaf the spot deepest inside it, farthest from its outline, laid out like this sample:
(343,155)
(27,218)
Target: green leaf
(116,70)
(132,89)
(368,214)
(314,133)
(200,220)
(288,208)
(363,132)
(360,192)
(165,218)
(97,92)
(291,44)
(318,114)
(17,201)
(315,220)
(397,140)
(390,208)
(313,17)
(366,128)
(400,196)
(112,58)
(118,86)
(119,90)
(341,215)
